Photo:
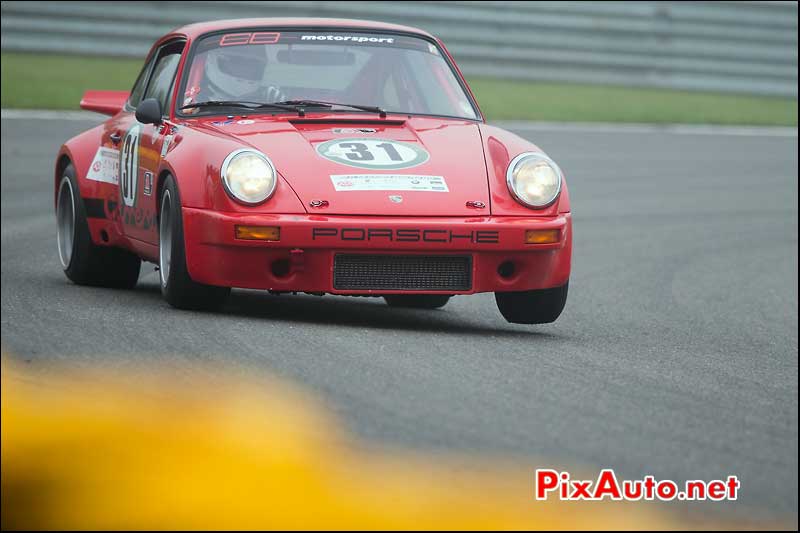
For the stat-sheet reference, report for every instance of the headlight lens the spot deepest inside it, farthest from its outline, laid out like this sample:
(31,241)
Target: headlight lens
(248,176)
(534,179)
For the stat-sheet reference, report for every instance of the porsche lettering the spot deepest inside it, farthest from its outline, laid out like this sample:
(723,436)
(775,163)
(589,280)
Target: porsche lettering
(407,235)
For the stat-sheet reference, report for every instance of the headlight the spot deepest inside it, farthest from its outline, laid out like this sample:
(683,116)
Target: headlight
(534,179)
(248,176)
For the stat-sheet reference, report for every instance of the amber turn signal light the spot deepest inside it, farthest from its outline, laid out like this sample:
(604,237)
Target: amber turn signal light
(542,236)
(258,233)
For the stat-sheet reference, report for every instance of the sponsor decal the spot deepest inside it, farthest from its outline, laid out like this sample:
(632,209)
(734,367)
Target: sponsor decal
(259,37)
(348,38)
(129,166)
(388,182)
(379,154)
(138,217)
(165,145)
(110,208)
(406,235)
(147,189)
(189,95)
(222,123)
(245,122)
(105,166)
(353,131)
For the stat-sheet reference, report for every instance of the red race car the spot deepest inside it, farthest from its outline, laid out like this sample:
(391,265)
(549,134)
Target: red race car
(314,155)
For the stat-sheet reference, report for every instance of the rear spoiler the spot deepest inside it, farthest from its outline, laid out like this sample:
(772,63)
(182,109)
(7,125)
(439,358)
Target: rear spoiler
(105,102)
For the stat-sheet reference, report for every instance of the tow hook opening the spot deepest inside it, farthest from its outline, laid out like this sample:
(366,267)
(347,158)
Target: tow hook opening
(506,269)
(281,268)
(286,266)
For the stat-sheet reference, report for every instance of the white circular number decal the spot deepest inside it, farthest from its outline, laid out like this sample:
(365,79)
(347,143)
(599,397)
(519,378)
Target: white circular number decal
(373,153)
(129,166)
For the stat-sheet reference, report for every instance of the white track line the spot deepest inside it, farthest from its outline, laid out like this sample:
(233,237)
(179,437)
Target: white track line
(674,129)
(46,114)
(583,127)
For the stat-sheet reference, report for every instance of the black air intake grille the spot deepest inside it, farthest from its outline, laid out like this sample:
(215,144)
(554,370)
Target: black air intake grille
(357,272)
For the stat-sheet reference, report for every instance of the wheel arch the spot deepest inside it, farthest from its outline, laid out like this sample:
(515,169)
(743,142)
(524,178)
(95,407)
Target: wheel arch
(161,180)
(63,160)
(80,151)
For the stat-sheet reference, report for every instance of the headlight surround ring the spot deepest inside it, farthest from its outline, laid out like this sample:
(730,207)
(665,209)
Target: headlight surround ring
(512,182)
(230,188)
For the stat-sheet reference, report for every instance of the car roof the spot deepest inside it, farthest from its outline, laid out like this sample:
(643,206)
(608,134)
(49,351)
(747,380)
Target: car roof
(197,29)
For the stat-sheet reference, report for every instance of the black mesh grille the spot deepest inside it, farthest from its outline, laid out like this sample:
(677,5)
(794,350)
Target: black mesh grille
(402,272)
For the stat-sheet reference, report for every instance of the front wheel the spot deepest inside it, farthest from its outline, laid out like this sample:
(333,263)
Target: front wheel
(532,307)
(417,301)
(177,287)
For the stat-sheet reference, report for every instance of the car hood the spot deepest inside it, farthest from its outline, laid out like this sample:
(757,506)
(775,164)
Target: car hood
(396,166)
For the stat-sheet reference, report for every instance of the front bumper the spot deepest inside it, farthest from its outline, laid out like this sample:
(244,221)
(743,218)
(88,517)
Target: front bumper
(303,259)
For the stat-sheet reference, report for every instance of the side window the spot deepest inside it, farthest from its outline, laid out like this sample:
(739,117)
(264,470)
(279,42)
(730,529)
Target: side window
(163,74)
(138,87)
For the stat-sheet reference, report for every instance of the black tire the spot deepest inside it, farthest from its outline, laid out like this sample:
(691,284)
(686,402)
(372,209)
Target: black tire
(532,307)
(84,262)
(177,287)
(417,301)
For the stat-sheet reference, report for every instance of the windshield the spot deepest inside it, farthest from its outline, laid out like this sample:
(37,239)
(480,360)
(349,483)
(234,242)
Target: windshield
(395,73)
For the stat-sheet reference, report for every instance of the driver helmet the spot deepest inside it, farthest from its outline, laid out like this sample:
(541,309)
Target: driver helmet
(235,71)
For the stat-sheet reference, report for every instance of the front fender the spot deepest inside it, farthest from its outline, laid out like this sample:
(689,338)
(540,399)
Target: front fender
(194,159)
(500,147)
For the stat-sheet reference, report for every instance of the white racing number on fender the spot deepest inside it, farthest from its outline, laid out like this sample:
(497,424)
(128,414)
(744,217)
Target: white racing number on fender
(129,166)
(380,154)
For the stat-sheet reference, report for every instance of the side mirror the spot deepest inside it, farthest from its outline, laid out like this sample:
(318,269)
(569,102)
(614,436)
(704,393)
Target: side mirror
(149,111)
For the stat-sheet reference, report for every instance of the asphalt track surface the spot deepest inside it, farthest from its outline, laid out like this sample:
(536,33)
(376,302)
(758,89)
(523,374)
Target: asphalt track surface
(676,355)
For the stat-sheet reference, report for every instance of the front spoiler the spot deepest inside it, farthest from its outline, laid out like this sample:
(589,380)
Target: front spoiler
(309,243)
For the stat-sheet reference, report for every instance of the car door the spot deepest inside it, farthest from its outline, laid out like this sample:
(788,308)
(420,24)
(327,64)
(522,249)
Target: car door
(141,150)
(111,142)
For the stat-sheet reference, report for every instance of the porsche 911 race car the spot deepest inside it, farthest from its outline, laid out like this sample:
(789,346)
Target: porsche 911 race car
(311,155)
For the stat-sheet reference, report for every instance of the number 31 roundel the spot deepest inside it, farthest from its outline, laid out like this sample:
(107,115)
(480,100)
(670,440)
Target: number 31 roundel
(129,166)
(373,153)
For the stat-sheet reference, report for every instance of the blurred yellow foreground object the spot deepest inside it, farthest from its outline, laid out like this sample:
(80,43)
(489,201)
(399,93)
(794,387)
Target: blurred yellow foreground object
(195,451)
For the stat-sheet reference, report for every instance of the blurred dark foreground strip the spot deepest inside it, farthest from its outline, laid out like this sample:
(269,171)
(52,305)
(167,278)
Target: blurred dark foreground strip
(209,452)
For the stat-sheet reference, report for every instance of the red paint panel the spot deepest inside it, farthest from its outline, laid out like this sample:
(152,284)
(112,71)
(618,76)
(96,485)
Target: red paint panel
(105,102)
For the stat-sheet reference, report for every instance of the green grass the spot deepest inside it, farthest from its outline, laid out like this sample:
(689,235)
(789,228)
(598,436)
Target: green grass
(500,99)
(57,82)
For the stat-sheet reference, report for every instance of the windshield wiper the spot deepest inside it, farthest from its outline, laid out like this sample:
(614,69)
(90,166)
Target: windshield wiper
(321,103)
(288,105)
(245,104)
